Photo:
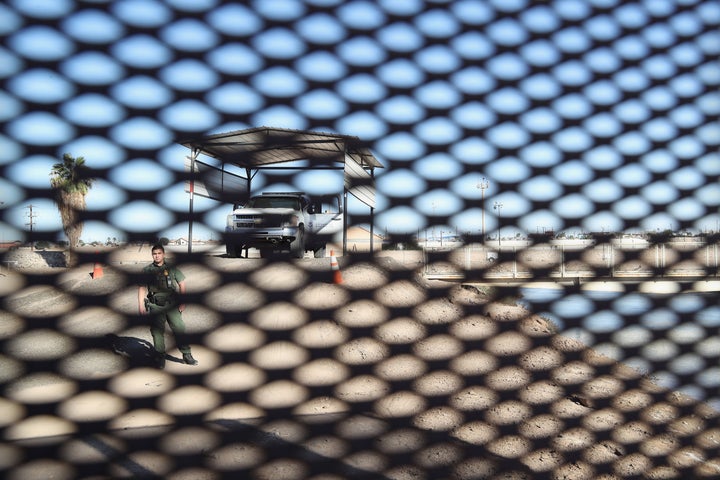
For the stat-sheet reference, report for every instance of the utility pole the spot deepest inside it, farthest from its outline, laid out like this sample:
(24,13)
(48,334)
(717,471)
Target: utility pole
(497,206)
(31,223)
(483,185)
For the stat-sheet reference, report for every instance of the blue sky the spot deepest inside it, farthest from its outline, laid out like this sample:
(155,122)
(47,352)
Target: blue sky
(617,109)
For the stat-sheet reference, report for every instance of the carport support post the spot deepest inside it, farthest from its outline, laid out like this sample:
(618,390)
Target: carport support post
(372,230)
(345,220)
(372,217)
(248,175)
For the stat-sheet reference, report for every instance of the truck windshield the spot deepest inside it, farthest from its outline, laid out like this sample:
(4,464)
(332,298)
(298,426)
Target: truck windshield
(274,202)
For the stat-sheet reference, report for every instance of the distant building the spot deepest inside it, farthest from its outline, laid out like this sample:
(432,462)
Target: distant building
(358,240)
(184,241)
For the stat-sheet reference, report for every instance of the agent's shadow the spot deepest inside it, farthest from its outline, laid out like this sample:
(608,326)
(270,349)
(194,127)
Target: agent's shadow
(139,352)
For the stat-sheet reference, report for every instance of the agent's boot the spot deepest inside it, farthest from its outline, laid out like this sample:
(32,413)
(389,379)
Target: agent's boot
(188,358)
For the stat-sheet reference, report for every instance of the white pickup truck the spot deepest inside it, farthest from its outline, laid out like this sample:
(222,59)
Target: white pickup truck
(275,222)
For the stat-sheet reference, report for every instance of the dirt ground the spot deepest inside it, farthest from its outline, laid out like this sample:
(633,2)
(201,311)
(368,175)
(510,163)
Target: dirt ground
(383,375)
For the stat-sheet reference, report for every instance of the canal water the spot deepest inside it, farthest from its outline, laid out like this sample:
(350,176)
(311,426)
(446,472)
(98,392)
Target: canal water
(673,338)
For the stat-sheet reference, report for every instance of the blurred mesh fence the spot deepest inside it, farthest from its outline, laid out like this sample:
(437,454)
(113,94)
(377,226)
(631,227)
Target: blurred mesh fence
(421,364)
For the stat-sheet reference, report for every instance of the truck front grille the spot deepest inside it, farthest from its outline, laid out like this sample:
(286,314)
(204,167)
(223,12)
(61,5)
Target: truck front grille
(257,221)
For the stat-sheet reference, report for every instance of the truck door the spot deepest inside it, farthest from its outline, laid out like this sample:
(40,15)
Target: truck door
(326,215)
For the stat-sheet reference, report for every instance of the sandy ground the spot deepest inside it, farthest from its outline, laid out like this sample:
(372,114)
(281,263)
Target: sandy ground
(385,375)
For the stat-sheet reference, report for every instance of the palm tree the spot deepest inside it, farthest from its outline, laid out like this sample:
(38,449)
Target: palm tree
(70,183)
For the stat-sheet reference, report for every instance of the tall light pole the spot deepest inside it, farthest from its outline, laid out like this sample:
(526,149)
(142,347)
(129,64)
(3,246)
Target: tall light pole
(483,185)
(497,206)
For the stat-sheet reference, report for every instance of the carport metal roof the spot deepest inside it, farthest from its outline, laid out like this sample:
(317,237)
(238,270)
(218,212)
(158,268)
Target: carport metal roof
(264,146)
(267,147)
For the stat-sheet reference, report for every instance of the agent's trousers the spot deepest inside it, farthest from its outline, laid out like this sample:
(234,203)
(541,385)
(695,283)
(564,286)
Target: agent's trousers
(168,314)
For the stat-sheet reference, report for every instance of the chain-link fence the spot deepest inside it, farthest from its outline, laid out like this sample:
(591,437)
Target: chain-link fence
(506,351)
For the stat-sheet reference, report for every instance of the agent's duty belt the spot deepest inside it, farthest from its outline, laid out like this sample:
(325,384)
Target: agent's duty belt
(161,299)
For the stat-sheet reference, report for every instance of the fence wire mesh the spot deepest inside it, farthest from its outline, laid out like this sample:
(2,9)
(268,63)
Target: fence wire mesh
(431,363)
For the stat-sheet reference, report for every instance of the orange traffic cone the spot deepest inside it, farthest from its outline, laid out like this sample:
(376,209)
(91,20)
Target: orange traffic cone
(337,275)
(97,271)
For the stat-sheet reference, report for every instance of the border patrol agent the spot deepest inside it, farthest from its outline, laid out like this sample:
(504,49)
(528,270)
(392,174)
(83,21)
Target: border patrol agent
(159,298)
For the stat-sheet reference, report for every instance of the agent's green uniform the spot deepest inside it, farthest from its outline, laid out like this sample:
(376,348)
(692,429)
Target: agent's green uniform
(162,304)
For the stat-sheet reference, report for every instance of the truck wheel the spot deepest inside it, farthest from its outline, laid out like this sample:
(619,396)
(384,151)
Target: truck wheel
(297,246)
(232,251)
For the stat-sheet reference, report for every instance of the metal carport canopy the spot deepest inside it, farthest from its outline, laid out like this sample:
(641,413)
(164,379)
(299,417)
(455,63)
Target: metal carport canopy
(260,148)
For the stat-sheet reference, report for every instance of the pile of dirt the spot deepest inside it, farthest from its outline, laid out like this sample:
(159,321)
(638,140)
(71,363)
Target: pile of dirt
(27,259)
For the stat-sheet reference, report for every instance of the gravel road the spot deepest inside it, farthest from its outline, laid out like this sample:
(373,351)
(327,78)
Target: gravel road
(420,360)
